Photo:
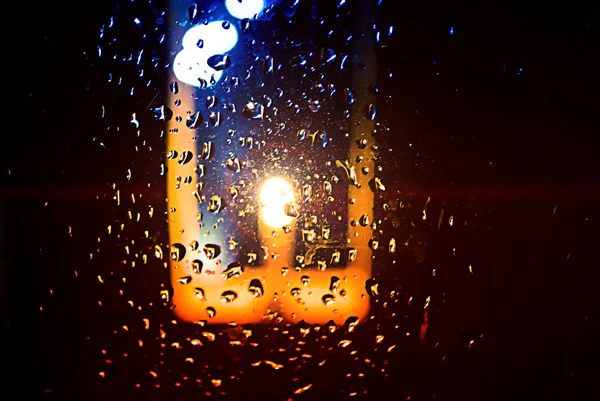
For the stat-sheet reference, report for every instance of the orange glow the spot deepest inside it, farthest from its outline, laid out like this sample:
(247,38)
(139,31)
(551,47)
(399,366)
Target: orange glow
(202,292)
(315,303)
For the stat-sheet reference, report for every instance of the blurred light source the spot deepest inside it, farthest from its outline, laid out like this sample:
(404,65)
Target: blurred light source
(274,194)
(244,8)
(199,44)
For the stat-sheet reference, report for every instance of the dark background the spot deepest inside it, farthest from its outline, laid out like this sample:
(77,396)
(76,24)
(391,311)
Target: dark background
(494,148)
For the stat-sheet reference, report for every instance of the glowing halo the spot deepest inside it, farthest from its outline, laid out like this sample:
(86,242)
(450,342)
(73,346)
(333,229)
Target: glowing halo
(244,8)
(274,194)
(199,43)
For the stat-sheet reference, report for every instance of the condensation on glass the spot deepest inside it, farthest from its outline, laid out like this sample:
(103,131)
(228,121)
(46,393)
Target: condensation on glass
(269,216)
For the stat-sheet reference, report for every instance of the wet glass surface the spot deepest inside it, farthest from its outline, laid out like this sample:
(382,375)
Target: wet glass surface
(180,214)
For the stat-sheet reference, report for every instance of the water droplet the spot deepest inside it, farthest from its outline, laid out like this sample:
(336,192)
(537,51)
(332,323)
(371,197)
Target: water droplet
(334,284)
(177,252)
(234,269)
(215,204)
(212,251)
(211,101)
(370,112)
(352,253)
(211,311)
(163,113)
(252,257)
(392,246)
(364,220)
(295,292)
(327,56)
(256,289)
(185,157)
(197,266)
(268,65)
(351,323)
(219,62)
(372,287)
(167,294)
(193,121)
(305,280)
(233,164)
(308,235)
(226,25)
(299,60)
(246,25)
(199,293)
(194,14)
(172,154)
(349,170)
(216,119)
(228,296)
(174,86)
(158,253)
(314,105)
(343,61)
(207,151)
(376,185)
(185,280)
(253,111)
(307,192)
(290,209)
(328,299)
(336,257)
(349,96)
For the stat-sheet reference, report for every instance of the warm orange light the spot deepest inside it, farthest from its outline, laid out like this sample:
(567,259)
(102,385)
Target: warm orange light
(275,194)
(203,288)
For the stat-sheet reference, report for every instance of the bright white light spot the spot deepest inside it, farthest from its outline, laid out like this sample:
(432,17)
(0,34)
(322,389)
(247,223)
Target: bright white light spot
(244,8)
(190,64)
(274,194)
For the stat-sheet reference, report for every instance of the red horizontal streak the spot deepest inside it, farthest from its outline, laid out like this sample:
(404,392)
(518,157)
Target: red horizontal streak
(391,192)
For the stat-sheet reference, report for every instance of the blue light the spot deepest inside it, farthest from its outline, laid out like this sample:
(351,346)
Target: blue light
(245,8)
(343,63)
(191,63)
(451,30)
